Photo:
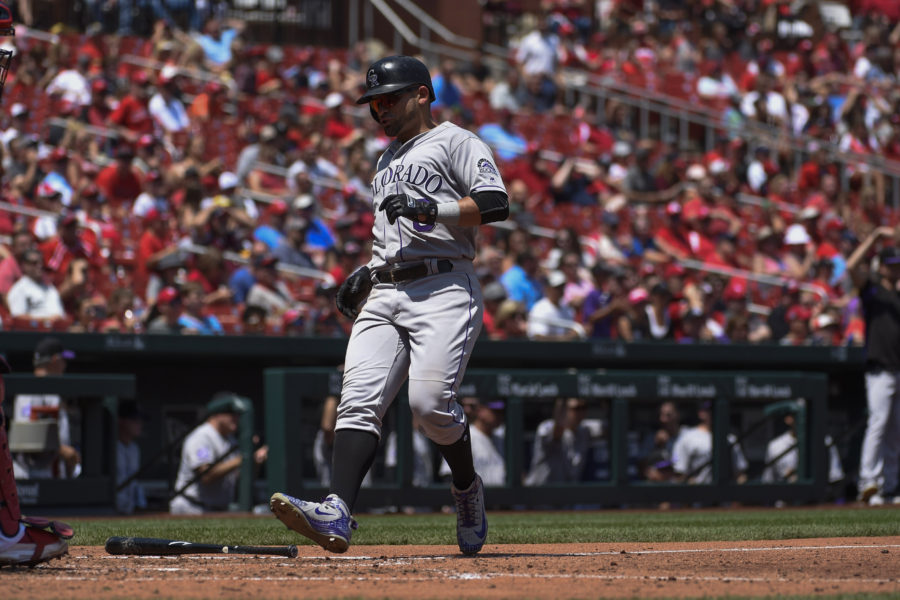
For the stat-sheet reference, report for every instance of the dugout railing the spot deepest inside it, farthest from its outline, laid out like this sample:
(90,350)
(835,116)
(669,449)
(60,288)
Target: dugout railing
(292,397)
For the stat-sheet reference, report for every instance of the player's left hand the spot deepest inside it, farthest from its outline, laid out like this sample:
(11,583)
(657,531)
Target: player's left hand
(402,205)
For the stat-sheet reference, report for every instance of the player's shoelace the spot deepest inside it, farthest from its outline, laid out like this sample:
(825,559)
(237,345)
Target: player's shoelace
(345,517)
(466,509)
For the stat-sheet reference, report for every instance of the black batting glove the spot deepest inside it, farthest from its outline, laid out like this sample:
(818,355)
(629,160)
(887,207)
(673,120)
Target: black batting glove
(401,205)
(353,291)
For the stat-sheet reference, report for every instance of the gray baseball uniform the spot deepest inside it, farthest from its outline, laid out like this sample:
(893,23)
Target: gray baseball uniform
(426,327)
(203,446)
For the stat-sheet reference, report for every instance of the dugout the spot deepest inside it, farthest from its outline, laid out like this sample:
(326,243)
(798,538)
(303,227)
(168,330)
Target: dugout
(616,397)
(94,399)
(174,377)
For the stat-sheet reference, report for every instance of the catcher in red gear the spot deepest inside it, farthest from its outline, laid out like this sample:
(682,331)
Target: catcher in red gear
(23,541)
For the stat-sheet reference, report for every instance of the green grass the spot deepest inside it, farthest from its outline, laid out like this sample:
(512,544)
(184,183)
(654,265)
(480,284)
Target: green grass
(522,527)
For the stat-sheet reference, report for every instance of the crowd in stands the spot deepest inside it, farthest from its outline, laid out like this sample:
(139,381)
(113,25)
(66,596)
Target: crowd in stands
(194,181)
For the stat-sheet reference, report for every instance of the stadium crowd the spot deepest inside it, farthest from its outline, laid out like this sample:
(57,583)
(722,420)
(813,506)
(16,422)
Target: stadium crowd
(193,181)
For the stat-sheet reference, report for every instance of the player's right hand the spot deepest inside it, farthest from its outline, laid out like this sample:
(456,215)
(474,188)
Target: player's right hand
(402,205)
(353,291)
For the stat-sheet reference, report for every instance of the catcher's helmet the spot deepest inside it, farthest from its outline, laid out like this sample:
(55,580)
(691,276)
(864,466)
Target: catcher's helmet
(394,73)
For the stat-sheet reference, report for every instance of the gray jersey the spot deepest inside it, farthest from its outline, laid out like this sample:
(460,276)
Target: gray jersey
(203,446)
(442,164)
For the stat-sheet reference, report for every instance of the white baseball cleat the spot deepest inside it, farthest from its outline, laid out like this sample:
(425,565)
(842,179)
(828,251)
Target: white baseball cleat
(327,523)
(31,546)
(471,519)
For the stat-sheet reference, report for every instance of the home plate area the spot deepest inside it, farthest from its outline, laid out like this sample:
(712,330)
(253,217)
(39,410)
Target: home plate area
(760,568)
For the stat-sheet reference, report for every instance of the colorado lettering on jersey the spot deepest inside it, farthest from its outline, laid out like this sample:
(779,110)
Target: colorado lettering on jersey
(415,175)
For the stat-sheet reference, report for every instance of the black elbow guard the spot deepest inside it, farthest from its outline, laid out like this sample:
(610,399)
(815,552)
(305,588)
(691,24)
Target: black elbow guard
(493,206)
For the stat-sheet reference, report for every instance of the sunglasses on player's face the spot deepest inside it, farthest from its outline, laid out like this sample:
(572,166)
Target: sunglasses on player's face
(386,101)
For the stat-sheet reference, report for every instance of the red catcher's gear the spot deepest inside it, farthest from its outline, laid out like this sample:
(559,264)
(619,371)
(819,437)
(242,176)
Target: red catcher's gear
(9,497)
(6,28)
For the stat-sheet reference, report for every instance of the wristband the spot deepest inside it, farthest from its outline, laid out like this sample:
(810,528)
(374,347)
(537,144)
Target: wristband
(448,213)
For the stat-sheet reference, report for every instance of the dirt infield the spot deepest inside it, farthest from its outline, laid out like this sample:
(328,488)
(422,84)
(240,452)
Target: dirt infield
(809,566)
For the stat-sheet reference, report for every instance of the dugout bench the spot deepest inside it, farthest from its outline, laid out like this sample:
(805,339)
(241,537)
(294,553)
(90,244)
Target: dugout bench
(291,395)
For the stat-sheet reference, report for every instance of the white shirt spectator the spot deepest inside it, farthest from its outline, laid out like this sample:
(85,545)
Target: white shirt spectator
(547,319)
(756,176)
(723,87)
(537,53)
(861,67)
(29,298)
(776,105)
(274,301)
(44,228)
(799,118)
(146,201)
(72,85)
(321,168)
(169,114)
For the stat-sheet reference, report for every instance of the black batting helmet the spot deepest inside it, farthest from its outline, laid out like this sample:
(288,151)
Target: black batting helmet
(394,73)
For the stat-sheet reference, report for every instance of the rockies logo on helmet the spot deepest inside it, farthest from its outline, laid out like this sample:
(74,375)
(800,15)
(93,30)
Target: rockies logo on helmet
(372,78)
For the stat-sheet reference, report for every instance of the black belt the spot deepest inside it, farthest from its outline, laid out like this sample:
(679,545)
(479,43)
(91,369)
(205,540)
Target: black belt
(410,272)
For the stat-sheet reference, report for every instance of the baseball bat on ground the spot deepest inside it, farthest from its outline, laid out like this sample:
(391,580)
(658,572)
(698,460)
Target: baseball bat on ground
(162,547)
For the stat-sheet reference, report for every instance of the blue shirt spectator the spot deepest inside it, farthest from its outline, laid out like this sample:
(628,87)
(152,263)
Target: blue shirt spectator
(506,145)
(240,283)
(520,281)
(270,236)
(216,42)
(446,93)
(207,325)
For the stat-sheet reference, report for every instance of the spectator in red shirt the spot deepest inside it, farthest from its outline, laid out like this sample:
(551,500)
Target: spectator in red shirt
(119,181)
(809,179)
(97,113)
(132,115)
(153,246)
(797,318)
(671,237)
(347,261)
(532,168)
(72,259)
(337,125)
(69,243)
(210,272)
(696,216)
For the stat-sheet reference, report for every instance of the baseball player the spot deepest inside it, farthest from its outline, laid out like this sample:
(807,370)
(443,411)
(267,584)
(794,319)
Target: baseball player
(879,461)
(417,303)
(23,541)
